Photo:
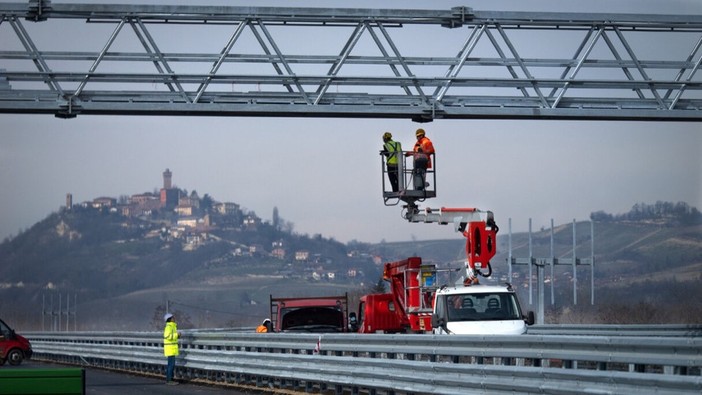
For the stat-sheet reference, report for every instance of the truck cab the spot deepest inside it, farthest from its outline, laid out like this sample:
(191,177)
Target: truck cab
(479,310)
(378,314)
(13,347)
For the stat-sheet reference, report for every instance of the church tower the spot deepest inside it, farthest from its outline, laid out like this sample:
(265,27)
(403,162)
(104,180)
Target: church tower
(169,195)
(167,179)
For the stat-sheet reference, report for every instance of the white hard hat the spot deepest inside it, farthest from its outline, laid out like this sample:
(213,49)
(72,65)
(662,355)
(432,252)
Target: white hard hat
(266,320)
(167,316)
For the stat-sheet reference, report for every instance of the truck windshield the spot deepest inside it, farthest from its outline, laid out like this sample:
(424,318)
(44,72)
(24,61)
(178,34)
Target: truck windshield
(482,307)
(313,319)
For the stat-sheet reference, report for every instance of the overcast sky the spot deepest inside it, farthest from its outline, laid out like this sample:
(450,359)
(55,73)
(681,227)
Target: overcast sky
(324,176)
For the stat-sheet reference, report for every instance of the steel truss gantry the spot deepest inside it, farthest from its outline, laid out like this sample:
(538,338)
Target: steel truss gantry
(69,59)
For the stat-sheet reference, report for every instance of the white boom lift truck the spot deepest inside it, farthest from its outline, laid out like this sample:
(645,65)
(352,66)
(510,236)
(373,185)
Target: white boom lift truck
(465,307)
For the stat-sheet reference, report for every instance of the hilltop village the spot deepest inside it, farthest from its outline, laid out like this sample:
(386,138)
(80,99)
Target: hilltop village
(196,221)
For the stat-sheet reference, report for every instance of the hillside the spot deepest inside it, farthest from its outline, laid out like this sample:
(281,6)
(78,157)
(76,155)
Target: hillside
(120,272)
(98,258)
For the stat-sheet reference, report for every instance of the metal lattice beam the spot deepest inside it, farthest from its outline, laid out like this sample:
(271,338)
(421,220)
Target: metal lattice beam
(368,62)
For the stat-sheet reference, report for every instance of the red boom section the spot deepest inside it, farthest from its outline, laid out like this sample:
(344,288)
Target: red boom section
(480,244)
(412,290)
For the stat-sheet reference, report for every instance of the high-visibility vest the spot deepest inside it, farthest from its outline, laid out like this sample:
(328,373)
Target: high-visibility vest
(394,148)
(261,329)
(170,339)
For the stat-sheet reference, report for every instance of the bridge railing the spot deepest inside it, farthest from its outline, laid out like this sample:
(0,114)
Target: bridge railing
(398,363)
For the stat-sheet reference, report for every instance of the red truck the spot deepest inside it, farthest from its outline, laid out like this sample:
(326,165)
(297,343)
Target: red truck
(13,347)
(415,304)
(314,314)
(407,308)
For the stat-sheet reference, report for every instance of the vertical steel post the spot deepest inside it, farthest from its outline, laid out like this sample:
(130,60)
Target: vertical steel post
(540,290)
(575,272)
(553,260)
(58,328)
(531,263)
(509,254)
(592,263)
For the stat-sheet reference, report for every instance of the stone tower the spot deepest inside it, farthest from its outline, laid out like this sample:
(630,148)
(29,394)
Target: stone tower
(167,179)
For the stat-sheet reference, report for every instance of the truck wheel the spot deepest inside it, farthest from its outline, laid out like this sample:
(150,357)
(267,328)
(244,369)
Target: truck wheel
(15,357)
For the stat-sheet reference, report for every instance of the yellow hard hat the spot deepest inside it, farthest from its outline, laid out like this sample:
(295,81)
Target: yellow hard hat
(387,135)
(419,132)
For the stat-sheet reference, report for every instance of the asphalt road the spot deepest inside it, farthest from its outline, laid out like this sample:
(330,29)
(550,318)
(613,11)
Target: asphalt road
(105,382)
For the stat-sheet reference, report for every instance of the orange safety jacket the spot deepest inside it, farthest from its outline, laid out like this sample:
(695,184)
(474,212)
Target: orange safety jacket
(427,147)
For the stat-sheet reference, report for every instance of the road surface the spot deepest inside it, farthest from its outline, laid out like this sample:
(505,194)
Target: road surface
(105,382)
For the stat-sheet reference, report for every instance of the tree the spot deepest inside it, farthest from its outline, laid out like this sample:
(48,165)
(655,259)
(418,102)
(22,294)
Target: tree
(379,287)
(206,203)
(276,219)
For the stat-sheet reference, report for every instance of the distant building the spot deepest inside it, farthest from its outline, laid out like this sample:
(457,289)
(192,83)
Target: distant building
(141,204)
(104,202)
(167,177)
(192,200)
(278,253)
(251,222)
(189,222)
(184,210)
(69,201)
(302,256)
(256,249)
(169,195)
(144,199)
(226,208)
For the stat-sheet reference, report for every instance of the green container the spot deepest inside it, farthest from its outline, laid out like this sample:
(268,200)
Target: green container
(60,381)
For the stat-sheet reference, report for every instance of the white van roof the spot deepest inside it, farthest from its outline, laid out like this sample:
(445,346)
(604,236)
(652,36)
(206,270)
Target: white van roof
(474,289)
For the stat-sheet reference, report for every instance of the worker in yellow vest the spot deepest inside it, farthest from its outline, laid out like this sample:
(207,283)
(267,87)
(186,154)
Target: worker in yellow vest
(170,346)
(392,150)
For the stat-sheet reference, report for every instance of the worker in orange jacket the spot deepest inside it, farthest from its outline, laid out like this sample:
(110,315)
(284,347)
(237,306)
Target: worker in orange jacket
(423,149)
(424,145)
(265,327)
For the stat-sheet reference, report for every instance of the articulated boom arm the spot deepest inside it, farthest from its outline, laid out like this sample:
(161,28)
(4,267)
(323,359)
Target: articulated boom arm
(447,215)
(478,227)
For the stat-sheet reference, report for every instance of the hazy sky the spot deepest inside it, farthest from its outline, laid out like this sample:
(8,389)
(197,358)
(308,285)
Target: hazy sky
(324,176)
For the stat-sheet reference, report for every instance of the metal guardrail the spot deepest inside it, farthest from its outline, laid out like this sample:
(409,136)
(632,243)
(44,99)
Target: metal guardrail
(666,330)
(399,364)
